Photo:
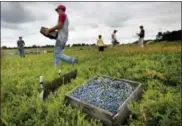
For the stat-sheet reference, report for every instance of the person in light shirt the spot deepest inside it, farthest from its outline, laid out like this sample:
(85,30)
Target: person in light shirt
(114,38)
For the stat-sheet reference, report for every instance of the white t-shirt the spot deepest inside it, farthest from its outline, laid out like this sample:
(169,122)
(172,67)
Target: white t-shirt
(114,37)
(63,32)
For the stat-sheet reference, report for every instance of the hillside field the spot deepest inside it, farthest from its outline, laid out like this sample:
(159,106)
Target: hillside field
(157,67)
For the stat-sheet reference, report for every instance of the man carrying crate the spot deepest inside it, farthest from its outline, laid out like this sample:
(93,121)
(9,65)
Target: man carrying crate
(62,38)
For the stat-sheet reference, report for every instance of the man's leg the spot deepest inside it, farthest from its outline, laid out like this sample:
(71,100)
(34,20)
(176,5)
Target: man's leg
(58,54)
(20,52)
(57,60)
(142,43)
(67,58)
(115,43)
(23,53)
(102,49)
(139,42)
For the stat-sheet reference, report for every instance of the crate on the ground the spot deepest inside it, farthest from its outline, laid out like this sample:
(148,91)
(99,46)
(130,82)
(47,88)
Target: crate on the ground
(53,85)
(105,98)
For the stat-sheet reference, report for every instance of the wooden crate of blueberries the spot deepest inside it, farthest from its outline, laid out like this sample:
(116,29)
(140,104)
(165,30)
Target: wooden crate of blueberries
(105,98)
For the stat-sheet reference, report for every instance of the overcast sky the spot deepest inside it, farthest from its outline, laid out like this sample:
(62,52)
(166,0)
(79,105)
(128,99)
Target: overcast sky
(87,20)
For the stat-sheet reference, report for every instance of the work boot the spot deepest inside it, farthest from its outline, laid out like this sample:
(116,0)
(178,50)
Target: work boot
(75,61)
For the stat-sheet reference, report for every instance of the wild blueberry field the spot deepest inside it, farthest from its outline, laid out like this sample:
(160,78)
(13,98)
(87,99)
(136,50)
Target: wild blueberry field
(157,67)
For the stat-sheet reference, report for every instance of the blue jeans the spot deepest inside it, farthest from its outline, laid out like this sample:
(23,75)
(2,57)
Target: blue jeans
(21,52)
(58,54)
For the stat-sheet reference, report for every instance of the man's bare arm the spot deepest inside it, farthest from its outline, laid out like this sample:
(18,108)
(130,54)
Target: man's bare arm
(23,43)
(58,26)
(17,43)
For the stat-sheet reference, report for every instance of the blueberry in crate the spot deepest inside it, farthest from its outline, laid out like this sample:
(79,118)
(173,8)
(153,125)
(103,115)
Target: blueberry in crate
(105,96)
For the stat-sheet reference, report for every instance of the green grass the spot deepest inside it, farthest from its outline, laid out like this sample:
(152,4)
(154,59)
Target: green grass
(157,67)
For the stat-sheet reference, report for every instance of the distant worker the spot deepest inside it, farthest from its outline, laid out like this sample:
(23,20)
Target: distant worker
(114,39)
(100,43)
(62,27)
(141,36)
(20,45)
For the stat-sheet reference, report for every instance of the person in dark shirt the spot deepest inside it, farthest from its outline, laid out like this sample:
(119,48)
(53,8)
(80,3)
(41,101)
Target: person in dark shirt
(141,36)
(20,45)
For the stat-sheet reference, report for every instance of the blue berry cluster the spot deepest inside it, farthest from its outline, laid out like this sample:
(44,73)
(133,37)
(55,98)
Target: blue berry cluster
(103,92)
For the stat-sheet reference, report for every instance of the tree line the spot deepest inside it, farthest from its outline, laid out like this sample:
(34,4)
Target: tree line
(169,36)
(48,46)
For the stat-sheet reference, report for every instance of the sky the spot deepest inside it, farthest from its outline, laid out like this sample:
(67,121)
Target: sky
(87,20)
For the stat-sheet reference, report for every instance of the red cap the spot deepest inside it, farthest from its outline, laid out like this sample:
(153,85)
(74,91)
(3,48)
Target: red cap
(62,7)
